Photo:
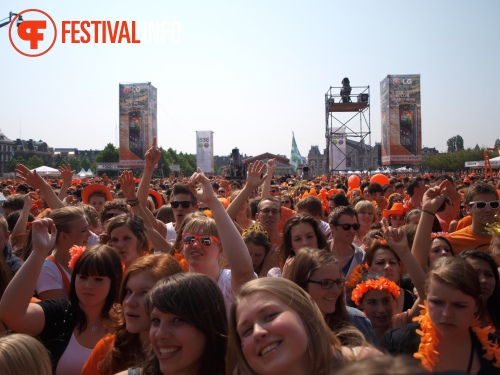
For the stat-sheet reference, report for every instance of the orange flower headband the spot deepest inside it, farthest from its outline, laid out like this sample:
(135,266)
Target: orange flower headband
(381,283)
(75,252)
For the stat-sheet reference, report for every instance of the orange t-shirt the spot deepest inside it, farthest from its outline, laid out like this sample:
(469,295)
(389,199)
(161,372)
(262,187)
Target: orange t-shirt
(464,222)
(102,348)
(464,239)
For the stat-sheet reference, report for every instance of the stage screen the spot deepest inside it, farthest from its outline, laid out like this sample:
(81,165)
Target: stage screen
(401,119)
(138,122)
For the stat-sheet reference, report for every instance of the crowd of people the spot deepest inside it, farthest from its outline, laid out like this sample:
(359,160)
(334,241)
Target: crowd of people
(261,275)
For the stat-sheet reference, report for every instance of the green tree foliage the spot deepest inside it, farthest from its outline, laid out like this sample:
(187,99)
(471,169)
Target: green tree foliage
(11,165)
(497,143)
(110,154)
(34,162)
(75,164)
(85,163)
(455,143)
(451,161)
(57,161)
(187,162)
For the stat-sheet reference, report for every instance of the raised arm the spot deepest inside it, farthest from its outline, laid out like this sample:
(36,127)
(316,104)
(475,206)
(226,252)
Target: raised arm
(22,222)
(128,188)
(36,181)
(16,311)
(253,182)
(433,199)
(67,176)
(397,240)
(235,250)
(266,187)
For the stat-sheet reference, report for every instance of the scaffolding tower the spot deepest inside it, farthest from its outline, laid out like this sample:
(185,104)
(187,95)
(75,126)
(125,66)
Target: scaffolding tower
(336,103)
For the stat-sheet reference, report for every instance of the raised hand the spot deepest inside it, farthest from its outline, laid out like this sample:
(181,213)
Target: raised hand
(152,156)
(66,173)
(254,172)
(271,164)
(200,186)
(44,235)
(397,240)
(128,184)
(32,178)
(434,197)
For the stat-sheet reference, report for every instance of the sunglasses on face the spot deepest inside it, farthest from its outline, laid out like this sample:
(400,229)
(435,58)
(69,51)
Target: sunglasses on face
(482,205)
(204,240)
(285,202)
(328,283)
(348,226)
(273,191)
(184,204)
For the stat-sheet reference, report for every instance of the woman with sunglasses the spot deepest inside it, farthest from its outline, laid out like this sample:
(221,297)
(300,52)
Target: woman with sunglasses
(318,273)
(205,241)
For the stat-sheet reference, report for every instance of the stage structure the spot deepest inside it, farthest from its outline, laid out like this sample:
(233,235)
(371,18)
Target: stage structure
(347,115)
(138,122)
(205,150)
(401,119)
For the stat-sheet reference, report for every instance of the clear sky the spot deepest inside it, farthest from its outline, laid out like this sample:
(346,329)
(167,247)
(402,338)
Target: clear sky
(254,72)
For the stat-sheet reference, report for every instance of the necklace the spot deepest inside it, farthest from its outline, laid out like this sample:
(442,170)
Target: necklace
(427,352)
(94,329)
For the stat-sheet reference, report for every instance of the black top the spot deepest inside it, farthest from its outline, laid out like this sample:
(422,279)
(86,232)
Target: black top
(59,325)
(405,340)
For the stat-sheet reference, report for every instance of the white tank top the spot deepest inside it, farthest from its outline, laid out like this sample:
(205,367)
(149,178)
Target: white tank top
(73,358)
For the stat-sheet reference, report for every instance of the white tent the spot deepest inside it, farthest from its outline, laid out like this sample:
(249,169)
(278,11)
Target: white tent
(82,173)
(89,173)
(46,171)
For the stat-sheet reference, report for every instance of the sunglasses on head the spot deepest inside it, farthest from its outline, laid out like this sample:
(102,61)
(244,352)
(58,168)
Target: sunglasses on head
(204,240)
(482,205)
(273,191)
(328,283)
(348,226)
(184,204)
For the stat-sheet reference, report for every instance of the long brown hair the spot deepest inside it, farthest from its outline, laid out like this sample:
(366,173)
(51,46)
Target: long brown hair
(323,347)
(127,350)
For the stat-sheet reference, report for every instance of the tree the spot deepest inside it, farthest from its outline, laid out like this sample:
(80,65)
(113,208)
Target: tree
(34,162)
(455,144)
(85,163)
(497,143)
(109,154)
(75,165)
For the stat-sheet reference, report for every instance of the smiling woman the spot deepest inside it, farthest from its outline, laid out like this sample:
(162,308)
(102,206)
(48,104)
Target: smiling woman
(188,326)
(276,328)
(125,348)
(68,330)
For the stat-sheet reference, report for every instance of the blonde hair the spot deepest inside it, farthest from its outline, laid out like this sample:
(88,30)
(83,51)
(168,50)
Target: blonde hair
(23,354)
(323,347)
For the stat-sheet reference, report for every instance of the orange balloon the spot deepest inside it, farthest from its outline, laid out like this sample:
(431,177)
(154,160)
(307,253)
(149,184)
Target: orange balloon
(353,182)
(380,178)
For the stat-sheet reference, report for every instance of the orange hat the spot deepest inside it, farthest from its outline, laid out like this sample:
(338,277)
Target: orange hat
(94,188)
(397,209)
(157,197)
